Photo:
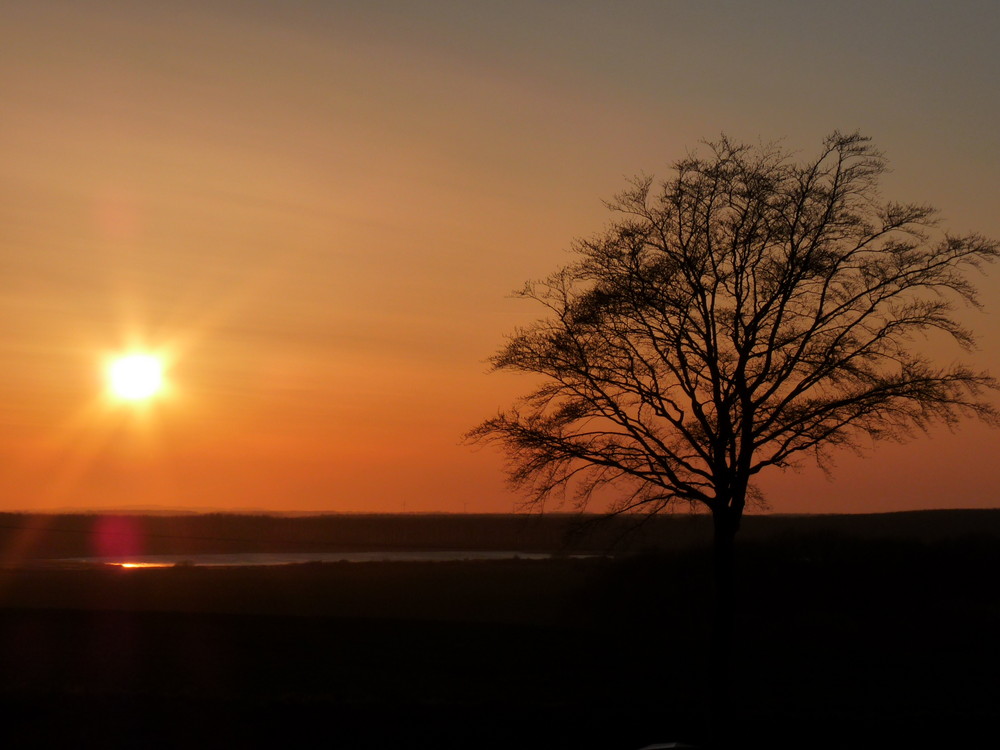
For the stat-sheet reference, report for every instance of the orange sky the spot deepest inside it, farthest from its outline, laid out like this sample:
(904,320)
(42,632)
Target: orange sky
(317,210)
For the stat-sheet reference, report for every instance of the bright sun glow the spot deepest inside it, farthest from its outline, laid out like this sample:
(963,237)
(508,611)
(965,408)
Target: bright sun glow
(135,376)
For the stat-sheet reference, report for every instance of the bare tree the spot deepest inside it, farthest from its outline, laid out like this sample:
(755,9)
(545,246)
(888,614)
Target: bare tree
(749,312)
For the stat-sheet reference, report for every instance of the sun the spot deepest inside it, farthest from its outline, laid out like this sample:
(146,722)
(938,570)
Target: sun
(135,377)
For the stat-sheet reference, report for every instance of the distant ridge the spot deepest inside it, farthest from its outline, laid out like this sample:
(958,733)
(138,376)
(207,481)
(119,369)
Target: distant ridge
(44,536)
(156,510)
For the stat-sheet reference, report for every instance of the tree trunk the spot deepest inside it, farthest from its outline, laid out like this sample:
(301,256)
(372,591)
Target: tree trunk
(726,522)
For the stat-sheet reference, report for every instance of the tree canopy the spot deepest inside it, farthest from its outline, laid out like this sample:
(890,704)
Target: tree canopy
(748,312)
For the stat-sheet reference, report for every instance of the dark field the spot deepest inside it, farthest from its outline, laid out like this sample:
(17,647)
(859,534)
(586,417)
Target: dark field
(871,631)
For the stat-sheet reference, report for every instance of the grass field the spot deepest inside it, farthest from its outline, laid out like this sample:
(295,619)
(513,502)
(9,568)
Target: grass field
(864,634)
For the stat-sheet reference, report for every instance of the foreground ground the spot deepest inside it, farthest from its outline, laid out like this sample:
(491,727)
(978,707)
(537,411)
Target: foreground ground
(845,642)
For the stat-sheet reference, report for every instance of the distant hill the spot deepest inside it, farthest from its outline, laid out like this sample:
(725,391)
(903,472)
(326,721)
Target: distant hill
(40,536)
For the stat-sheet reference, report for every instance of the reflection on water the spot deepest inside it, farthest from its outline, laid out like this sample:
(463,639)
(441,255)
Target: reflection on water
(291,558)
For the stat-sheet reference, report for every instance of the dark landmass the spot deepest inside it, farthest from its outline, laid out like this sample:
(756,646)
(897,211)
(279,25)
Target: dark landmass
(871,631)
(26,537)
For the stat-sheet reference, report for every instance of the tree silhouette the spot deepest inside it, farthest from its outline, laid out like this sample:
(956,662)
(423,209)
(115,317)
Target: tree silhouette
(749,312)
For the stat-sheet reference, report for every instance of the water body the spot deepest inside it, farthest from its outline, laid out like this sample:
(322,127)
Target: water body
(291,558)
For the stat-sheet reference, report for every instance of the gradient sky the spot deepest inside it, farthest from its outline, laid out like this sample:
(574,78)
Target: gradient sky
(317,211)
